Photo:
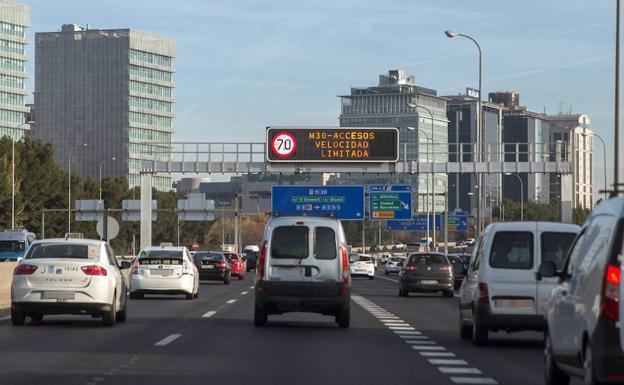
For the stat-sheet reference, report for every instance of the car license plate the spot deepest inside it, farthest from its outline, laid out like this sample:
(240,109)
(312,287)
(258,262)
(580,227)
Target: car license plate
(160,272)
(429,282)
(208,266)
(60,296)
(513,303)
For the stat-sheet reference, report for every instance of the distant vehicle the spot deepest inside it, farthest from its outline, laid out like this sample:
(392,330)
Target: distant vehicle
(252,258)
(237,266)
(427,272)
(582,336)
(361,265)
(14,244)
(303,266)
(69,276)
(502,291)
(167,270)
(213,265)
(394,265)
(459,259)
(469,242)
(385,257)
(375,248)
(251,248)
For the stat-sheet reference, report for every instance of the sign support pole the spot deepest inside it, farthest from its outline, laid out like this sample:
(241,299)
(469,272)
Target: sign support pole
(446,222)
(146,210)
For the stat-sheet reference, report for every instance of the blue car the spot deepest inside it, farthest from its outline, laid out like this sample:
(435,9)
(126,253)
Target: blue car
(14,244)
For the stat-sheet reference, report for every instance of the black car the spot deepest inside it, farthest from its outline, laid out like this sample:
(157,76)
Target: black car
(462,260)
(252,259)
(427,272)
(213,265)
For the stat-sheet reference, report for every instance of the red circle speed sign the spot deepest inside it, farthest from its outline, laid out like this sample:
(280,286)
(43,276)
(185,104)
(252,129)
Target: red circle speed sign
(284,144)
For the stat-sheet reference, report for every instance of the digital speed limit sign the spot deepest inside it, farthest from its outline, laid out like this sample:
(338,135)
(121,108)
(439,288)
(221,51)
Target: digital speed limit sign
(284,144)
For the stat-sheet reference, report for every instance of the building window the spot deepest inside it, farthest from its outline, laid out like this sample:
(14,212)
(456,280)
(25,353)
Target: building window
(152,89)
(12,64)
(149,73)
(11,98)
(149,104)
(11,81)
(150,120)
(12,29)
(152,58)
(12,47)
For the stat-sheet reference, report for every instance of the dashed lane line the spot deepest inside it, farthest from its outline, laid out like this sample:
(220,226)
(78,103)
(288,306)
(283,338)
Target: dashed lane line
(244,292)
(230,301)
(209,314)
(167,340)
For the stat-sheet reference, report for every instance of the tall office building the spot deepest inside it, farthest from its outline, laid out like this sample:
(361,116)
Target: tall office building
(388,105)
(462,135)
(14,19)
(109,89)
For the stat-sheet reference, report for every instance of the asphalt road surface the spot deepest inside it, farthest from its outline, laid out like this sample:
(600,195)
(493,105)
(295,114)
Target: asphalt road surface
(212,340)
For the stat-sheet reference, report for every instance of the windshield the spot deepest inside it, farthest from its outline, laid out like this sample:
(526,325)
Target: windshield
(555,247)
(11,246)
(62,250)
(428,259)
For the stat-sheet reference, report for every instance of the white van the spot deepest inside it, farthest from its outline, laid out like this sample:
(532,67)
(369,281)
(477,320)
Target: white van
(502,290)
(303,266)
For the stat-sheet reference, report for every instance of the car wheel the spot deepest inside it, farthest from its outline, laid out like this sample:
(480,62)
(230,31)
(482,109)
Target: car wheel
(403,291)
(110,317)
(123,313)
(226,280)
(260,316)
(17,318)
(196,295)
(241,277)
(36,318)
(386,272)
(589,375)
(343,317)
(479,332)
(552,374)
(371,277)
(189,296)
(465,330)
(136,296)
(449,293)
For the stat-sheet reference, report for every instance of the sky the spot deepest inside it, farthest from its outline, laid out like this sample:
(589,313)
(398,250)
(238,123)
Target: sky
(245,65)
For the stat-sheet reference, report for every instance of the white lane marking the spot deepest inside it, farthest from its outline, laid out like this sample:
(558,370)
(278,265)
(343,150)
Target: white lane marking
(396,323)
(458,370)
(209,314)
(401,328)
(437,354)
(387,279)
(437,361)
(414,337)
(243,292)
(420,342)
(406,332)
(167,340)
(230,301)
(473,380)
(251,287)
(419,347)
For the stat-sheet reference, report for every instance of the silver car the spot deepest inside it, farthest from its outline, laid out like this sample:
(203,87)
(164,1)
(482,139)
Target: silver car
(394,265)
(69,276)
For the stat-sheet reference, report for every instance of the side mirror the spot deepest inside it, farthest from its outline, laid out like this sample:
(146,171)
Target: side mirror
(125,265)
(458,269)
(546,270)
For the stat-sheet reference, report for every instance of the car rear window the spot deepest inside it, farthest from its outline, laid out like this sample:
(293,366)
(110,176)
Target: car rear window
(160,257)
(395,259)
(512,250)
(555,247)
(62,250)
(11,246)
(324,243)
(214,257)
(365,258)
(428,259)
(290,242)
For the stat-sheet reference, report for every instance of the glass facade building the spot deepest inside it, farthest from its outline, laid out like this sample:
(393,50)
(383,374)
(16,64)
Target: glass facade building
(109,89)
(14,20)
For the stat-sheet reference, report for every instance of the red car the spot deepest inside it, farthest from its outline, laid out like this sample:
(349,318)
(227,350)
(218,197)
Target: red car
(237,265)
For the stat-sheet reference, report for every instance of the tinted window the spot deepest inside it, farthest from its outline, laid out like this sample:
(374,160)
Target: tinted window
(213,257)
(290,242)
(365,258)
(11,246)
(428,259)
(161,257)
(251,255)
(324,243)
(62,250)
(555,247)
(512,250)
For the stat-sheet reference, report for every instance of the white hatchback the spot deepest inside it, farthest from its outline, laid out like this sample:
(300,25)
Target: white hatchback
(69,276)
(164,270)
(361,265)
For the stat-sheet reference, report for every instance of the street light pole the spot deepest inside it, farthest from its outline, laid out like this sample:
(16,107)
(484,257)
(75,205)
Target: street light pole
(101,163)
(604,158)
(427,158)
(521,195)
(480,135)
(616,145)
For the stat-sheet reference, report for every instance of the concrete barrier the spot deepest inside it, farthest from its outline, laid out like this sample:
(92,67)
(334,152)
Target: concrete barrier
(6,276)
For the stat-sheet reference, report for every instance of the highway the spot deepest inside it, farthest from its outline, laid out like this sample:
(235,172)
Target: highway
(211,340)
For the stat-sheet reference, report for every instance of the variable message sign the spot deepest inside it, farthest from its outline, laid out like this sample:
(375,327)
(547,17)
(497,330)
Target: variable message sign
(341,202)
(332,144)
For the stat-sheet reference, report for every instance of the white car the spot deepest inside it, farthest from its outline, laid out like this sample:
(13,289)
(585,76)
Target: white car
(394,265)
(164,270)
(362,264)
(69,276)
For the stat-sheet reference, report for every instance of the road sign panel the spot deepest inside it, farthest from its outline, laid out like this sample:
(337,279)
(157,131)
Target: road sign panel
(332,144)
(419,223)
(131,210)
(196,208)
(88,210)
(390,202)
(458,221)
(341,202)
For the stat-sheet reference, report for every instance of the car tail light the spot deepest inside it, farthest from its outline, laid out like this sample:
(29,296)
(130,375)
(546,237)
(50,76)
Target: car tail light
(261,266)
(186,269)
(484,295)
(135,266)
(94,270)
(611,293)
(410,268)
(24,269)
(220,265)
(446,269)
(345,263)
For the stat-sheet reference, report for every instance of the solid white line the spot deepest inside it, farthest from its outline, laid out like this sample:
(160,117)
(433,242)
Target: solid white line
(230,301)
(418,347)
(209,314)
(251,287)
(437,361)
(437,354)
(387,279)
(167,340)
(458,370)
(243,292)
(472,380)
